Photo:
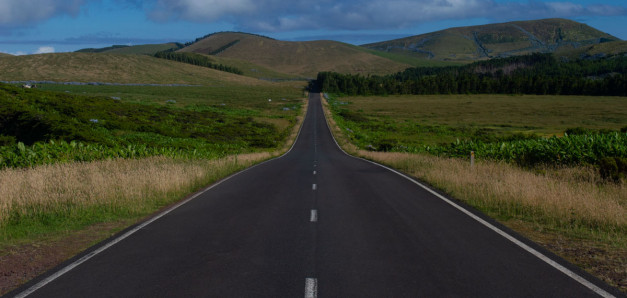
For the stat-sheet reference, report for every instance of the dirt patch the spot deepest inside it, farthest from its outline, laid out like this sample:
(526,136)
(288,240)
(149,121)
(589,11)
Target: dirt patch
(605,261)
(22,262)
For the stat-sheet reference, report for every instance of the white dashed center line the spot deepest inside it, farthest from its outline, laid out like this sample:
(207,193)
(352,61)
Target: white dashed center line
(311,288)
(314,186)
(314,215)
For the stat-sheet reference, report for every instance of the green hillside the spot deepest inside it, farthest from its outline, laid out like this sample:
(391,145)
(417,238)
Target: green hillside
(299,59)
(606,49)
(496,40)
(146,49)
(112,68)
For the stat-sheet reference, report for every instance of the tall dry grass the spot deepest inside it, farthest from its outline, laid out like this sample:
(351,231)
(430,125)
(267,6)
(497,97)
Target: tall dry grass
(120,186)
(571,200)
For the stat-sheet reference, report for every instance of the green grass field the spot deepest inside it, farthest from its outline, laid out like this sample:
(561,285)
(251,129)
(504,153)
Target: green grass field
(442,119)
(42,126)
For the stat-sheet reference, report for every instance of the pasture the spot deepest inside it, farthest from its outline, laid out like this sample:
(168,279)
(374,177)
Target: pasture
(414,121)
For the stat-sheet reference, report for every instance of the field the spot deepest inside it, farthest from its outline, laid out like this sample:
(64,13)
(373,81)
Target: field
(415,121)
(42,127)
(569,209)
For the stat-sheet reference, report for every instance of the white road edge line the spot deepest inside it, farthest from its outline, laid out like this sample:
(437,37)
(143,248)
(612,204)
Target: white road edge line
(314,215)
(311,288)
(92,254)
(507,236)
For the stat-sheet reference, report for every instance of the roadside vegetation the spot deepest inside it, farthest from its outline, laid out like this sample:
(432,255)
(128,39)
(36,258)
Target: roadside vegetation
(41,130)
(42,127)
(551,189)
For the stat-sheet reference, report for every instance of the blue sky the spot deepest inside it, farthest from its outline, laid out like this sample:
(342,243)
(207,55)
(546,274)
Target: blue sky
(41,26)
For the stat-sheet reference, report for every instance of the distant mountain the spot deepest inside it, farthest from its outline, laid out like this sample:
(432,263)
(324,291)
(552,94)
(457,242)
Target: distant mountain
(5,55)
(496,40)
(146,49)
(303,59)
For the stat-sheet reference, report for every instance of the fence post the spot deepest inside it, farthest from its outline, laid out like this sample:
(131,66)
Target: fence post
(472,159)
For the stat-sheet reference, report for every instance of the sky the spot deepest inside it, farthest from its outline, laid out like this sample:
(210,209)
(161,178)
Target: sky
(46,26)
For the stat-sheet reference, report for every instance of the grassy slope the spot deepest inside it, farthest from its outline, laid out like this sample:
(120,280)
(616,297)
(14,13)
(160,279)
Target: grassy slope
(147,49)
(253,70)
(603,49)
(463,43)
(112,68)
(411,59)
(297,58)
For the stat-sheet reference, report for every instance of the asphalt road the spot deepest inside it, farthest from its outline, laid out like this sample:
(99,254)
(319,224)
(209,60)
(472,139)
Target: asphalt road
(315,222)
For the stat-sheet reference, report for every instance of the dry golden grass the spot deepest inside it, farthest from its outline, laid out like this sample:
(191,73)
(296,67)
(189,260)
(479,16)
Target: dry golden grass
(120,184)
(573,198)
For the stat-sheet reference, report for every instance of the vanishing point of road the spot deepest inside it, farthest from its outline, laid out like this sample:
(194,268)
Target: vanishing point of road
(317,222)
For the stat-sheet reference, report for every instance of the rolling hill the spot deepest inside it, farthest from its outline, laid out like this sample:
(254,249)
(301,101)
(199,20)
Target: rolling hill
(112,68)
(301,59)
(496,40)
(146,49)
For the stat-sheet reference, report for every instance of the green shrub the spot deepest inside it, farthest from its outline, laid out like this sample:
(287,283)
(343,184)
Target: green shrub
(613,168)
(577,131)
(7,140)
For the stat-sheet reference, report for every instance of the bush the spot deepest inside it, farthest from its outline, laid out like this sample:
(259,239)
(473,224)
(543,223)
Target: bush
(7,140)
(577,131)
(613,168)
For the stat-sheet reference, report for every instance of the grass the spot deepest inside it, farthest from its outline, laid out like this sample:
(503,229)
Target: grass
(442,119)
(569,210)
(254,70)
(74,195)
(135,124)
(411,59)
(227,97)
(114,68)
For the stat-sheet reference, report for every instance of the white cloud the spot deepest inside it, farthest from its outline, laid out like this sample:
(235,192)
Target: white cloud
(44,50)
(201,10)
(15,13)
(284,15)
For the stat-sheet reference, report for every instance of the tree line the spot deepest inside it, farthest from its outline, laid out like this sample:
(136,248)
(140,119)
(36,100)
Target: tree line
(196,59)
(530,74)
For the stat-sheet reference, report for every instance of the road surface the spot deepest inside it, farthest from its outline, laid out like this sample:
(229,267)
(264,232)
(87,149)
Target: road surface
(315,222)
